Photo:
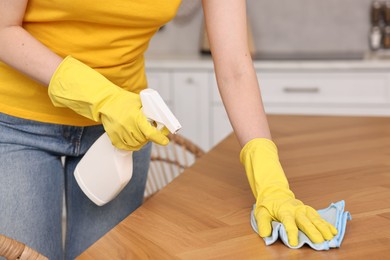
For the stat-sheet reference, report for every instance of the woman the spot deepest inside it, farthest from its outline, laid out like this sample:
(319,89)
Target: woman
(90,56)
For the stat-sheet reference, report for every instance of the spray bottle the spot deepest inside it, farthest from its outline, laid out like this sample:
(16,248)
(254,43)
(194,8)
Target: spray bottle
(105,170)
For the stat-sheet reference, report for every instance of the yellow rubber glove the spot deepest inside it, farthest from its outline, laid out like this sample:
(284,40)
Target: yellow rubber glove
(274,199)
(90,94)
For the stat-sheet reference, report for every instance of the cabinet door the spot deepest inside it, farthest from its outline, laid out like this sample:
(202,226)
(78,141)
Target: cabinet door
(161,82)
(326,88)
(341,93)
(191,102)
(220,126)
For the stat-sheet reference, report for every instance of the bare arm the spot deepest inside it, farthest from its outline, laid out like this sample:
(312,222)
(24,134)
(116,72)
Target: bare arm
(236,77)
(19,49)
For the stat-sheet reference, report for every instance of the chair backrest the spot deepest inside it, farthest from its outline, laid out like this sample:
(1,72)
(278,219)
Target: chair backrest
(12,249)
(167,162)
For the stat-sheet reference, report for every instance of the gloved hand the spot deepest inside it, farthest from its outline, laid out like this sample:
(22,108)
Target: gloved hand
(274,199)
(90,94)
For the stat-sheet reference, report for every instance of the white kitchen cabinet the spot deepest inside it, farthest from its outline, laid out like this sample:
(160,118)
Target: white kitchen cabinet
(325,88)
(336,93)
(191,103)
(161,82)
(312,88)
(220,125)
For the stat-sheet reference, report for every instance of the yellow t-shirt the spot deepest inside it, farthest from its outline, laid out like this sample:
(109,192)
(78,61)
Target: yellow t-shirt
(109,36)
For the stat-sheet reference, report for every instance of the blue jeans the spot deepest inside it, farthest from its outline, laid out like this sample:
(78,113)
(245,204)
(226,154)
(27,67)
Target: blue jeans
(33,180)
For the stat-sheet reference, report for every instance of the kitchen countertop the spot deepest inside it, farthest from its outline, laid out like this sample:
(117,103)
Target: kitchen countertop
(205,212)
(368,62)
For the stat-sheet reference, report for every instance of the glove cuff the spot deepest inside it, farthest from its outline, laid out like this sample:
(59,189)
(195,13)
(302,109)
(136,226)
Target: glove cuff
(80,88)
(261,161)
(254,144)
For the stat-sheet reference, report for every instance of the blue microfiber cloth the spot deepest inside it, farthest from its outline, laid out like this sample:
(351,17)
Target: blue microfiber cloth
(334,214)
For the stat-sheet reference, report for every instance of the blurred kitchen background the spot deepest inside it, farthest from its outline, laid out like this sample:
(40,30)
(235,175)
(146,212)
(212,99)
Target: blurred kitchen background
(286,26)
(314,57)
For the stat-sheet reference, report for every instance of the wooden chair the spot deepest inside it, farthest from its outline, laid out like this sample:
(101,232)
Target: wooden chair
(167,162)
(12,249)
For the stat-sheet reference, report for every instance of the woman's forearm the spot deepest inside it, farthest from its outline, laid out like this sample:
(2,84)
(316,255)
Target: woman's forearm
(243,103)
(19,49)
(236,77)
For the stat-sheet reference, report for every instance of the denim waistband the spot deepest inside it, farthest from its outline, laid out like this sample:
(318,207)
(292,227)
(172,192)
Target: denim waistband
(63,140)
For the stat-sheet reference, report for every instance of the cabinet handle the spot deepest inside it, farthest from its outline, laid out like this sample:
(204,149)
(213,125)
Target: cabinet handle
(190,81)
(301,89)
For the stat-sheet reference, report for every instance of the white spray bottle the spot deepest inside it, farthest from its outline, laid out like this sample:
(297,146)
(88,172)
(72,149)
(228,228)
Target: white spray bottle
(105,170)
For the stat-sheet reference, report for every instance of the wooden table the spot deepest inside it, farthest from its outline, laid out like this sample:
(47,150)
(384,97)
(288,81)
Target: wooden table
(204,213)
